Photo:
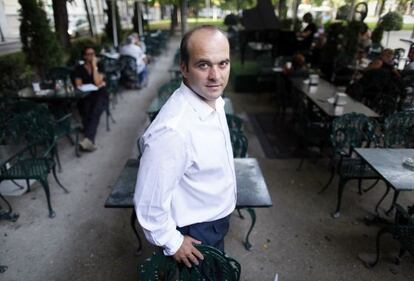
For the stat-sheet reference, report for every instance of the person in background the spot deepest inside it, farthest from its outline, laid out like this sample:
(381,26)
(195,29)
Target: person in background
(364,38)
(305,37)
(410,63)
(132,48)
(186,183)
(92,106)
(298,67)
(385,61)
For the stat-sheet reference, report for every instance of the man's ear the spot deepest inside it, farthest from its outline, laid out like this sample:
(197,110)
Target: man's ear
(183,69)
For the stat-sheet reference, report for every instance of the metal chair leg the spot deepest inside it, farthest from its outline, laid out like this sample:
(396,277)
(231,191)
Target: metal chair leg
(133,222)
(7,215)
(377,246)
(107,121)
(394,199)
(382,198)
(77,153)
(240,214)
(400,255)
(331,177)
(300,164)
(371,186)
(341,187)
(45,185)
(18,185)
(246,242)
(69,137)
(57,180)
(28,185)
(56,154)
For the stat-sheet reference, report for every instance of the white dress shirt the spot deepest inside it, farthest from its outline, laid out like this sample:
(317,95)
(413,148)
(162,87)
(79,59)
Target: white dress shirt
(135,52)
(186,172)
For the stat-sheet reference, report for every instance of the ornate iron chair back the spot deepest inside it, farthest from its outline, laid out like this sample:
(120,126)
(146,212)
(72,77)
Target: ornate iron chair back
(216,266)
(351,130)
(399,130)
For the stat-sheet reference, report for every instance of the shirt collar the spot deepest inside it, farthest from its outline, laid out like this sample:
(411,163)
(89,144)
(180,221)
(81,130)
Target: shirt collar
(201,107)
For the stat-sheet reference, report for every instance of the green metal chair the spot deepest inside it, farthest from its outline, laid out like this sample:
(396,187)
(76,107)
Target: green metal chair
(112,70)
(36,129)
(129,76)
(348,132)
(401,230)
(216,266)
(234,122)
(239,143)
(399,130)
(164,93)
(59,79)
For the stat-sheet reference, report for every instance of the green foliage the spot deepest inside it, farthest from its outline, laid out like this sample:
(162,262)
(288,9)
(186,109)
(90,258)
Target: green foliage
(15,74)
(232,4)
(40,44)
(343,12)
(391,21)
(75,52)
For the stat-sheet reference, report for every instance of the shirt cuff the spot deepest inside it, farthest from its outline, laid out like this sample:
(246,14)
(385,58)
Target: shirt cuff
(172,246)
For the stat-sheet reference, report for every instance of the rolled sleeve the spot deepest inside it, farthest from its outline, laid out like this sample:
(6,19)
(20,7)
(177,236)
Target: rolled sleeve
(162,165)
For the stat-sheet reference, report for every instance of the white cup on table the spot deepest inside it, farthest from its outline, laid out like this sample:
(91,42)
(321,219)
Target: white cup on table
(313,79)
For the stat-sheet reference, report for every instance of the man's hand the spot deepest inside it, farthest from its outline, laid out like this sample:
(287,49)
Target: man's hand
(187,253)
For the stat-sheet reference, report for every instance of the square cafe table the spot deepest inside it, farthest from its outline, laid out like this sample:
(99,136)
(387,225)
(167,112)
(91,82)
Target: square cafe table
(388,163)
(320,93)
(252,191)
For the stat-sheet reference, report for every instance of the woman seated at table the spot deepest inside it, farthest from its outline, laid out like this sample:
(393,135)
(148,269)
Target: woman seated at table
(92,106)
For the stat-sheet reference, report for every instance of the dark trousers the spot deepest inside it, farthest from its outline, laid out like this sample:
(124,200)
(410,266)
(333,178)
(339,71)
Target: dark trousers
(209,233)
(90,110)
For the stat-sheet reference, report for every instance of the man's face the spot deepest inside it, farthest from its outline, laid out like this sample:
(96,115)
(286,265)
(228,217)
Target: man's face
(208,68)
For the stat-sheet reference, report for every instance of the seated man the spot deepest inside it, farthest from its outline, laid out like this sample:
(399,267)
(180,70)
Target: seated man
(132,48)
(92,106)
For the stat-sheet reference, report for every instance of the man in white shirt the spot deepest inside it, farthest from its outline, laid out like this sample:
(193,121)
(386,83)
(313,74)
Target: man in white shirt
(186,184)
(132,48)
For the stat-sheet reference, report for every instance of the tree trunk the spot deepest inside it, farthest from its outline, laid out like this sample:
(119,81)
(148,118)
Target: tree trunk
(89,17)
(162,10)
(282,9)
(174,18)
(60,15)
(184,11)
(379,9)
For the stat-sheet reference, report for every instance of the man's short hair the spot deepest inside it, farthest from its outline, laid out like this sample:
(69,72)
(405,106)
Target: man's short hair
(184,54)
